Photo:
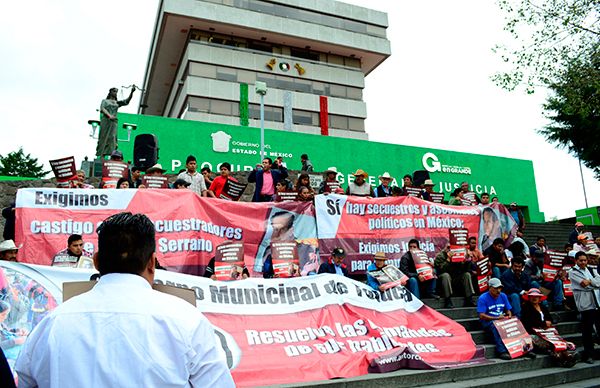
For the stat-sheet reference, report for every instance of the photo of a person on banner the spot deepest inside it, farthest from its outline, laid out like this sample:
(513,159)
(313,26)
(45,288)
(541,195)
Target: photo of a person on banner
(282,226)
(495,222)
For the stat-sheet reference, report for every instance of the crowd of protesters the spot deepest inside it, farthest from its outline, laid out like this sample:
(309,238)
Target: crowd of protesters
(516,288)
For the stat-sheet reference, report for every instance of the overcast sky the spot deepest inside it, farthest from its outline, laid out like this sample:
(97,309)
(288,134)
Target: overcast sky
(60,58)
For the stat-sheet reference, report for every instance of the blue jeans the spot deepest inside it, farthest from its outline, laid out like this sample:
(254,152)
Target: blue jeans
(515,300)
(488,327)
(556,291)
(497,271)
(413,286)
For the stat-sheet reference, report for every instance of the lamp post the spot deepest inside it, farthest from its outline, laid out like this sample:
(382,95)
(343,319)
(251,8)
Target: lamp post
(582,183)
(261,88)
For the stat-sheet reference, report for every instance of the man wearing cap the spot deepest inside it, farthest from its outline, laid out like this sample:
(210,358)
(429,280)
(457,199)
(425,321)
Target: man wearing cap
(491,306)
(585,282)
(427,190)
(415,280)
(9,251)
(384,189)
(181,184)
(575,232)
(193,177)
(330,184)
(336,264)
(360,187)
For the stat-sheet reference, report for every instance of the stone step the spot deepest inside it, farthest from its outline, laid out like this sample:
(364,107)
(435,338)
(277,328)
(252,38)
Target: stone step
(412,378)
(536,377)
(589,383)
(463,313)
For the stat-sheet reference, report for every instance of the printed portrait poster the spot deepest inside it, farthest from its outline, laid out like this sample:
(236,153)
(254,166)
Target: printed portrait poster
(64,170)
(229,261)
(189,228)
(496,222)
(514,336)
(312,328)
(363,226)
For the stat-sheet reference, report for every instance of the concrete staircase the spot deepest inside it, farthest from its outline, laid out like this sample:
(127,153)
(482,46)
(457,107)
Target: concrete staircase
(523,371)
(557,235)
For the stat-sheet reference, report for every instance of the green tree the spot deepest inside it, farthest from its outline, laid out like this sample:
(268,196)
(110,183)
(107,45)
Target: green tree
(574,110)
(546,36)
(17,163)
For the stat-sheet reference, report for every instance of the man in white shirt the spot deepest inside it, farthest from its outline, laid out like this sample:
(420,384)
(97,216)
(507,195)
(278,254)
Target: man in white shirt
(193,177)
(123,333)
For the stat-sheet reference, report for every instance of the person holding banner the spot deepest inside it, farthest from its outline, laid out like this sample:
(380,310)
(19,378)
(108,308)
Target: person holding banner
(491,306)
(384,189)
(516,284)
(586,289)
(416,280)
(458,273)
(217,185)
(360,187)
(122,332)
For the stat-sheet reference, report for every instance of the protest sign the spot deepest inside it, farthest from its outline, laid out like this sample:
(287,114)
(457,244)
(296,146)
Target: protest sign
(229,261)
(303,329)
(458,244)
(233,190)
(112,171)
(551,335)
(514,336)
(155,181)
(285,259)
(553,262)
(413,191)
(64,170)
(436,197)
(283,196)
(423,264)
(483,274)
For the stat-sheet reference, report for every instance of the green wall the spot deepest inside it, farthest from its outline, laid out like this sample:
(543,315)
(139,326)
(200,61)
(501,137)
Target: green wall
(509,179)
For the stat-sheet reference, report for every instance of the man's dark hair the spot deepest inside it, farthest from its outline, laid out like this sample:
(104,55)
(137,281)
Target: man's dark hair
(484,194)
(498,241)
(74,237)
(226,165)
(269,159)
(579,254)
(568,245)
(396,190)
(205,168)
(414,241)
(407,176)
(517,260)
(125,244)
(287,214)
(538,238)
(456,191)
(472,238)
(190,158)
(304,157)
(135,168)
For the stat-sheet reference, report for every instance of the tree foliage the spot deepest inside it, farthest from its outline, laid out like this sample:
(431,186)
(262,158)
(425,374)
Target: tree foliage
(546,36)
(574,110)
(16,163)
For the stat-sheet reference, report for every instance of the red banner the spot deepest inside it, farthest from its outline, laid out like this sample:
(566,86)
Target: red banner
(188,227)
(365,226)
(553,262)
(278,331)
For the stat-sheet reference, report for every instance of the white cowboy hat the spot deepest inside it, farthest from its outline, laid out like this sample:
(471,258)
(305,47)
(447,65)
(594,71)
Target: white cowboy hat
(385,175)
(9,245)
(428,182)
(331,169)
(156,167)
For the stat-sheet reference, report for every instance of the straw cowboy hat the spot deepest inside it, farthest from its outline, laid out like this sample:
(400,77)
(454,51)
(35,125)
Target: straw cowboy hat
(156,167)
(380,256)
(9,245)
(361,172)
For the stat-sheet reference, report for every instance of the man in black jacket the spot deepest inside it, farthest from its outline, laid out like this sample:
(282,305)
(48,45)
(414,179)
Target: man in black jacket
(335,265)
